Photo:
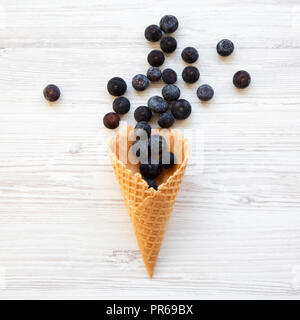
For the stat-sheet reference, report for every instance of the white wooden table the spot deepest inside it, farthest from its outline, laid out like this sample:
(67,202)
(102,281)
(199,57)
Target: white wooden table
(64,229)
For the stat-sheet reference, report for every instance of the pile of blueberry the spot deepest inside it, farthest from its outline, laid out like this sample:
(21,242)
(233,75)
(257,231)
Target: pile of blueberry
(152,150)
(180,109)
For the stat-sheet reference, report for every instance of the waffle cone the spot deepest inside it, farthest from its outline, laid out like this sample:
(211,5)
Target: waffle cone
(149,210)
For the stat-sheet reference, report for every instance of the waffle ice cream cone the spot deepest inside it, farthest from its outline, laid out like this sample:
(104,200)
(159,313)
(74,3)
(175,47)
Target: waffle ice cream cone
(149,210)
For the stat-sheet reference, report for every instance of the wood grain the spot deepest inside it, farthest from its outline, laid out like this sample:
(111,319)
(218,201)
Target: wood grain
(64,229)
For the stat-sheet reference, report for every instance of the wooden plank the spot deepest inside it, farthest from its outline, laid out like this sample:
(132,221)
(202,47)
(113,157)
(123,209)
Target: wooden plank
(64,229)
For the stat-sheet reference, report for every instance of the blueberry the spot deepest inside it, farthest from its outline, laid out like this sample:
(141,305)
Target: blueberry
(111,120)
(51,93)
(140,149)
(116,86)
(142,130)
(170,92)
(151,184)
(140,82)
(225,47)
(181,109)
(168,44)
(205,92)
(121,105)
(167,160)
(156,58)
(190,74)
(241,79)
(168,23)
(150,171)
(158,104)
(142,113)
(190,55)
(153,33)
(154,74)
(157,145)
(169,76)
(166,120)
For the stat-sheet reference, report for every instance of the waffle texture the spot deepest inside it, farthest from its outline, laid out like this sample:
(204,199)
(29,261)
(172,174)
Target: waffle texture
(149,210)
